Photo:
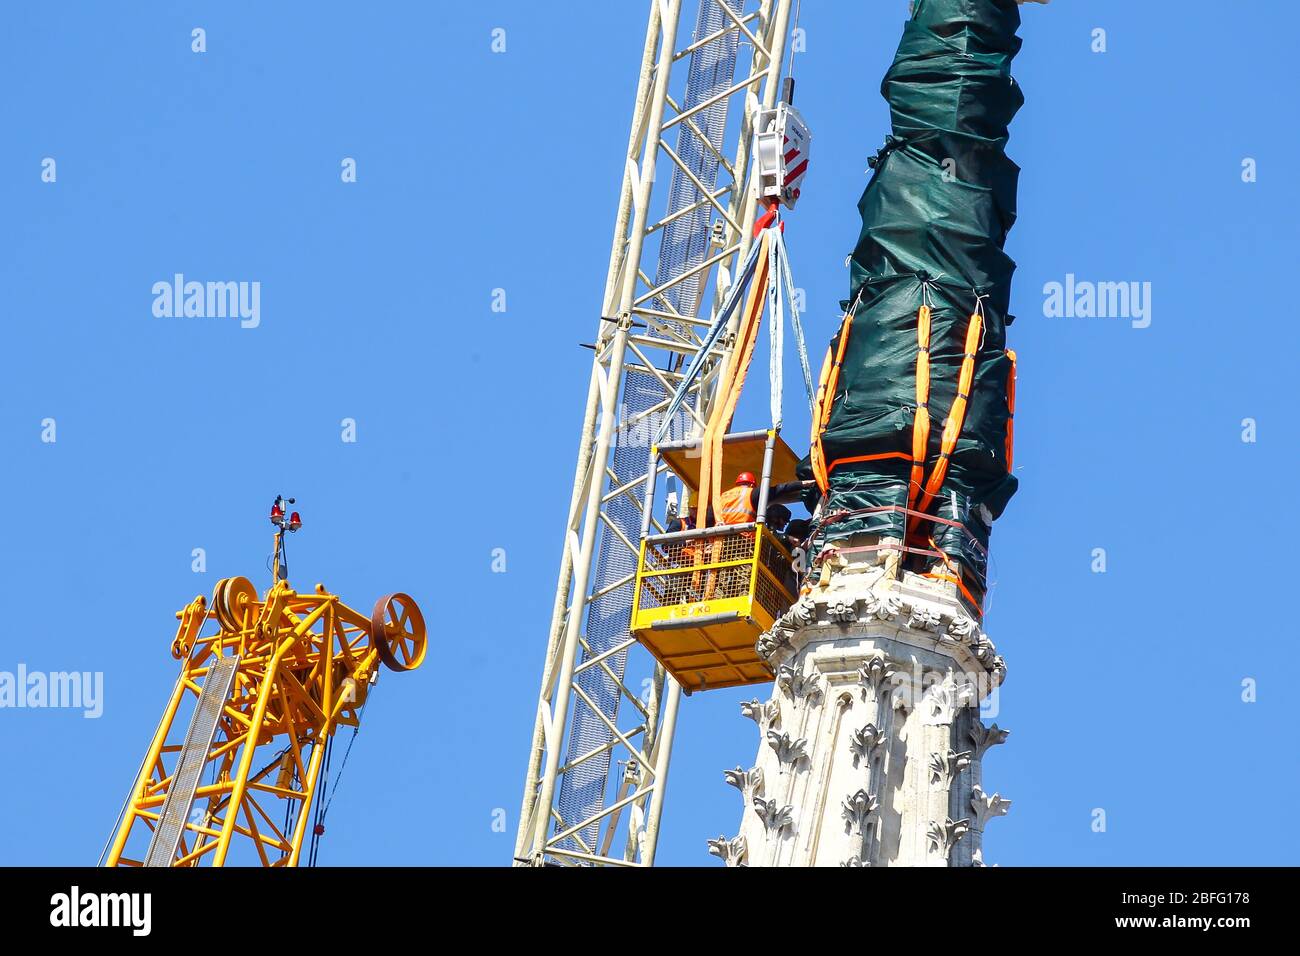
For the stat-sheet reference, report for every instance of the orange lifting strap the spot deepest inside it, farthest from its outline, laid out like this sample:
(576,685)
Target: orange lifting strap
(956,416)
(921,424)
(814,442)
(953,576)
(1011,408)
(830,380)
(729,390)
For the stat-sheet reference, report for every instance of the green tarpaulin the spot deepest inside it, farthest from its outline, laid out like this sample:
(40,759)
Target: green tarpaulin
(934,219)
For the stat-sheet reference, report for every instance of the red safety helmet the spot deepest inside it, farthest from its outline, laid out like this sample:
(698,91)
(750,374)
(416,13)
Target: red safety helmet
(746,478)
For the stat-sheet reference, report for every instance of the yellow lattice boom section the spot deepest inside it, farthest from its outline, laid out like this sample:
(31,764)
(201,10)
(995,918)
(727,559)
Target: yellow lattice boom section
(238,784)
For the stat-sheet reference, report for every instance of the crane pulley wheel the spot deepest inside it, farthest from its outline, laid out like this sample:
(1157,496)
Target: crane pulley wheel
(397,628)
(231,598)
(218,603)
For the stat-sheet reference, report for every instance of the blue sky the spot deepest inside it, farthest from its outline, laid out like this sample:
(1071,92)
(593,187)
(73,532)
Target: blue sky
(478,171)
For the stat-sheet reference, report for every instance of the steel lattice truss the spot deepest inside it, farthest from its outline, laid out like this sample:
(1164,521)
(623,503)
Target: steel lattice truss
(650,330)
(264,695)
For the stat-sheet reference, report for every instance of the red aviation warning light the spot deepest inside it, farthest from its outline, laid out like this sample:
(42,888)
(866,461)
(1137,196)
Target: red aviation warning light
(282,524)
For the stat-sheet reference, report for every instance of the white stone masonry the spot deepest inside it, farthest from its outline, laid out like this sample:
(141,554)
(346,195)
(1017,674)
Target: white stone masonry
(871,744)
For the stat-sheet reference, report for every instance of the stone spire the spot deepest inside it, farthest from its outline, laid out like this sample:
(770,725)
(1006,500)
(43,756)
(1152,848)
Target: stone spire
(871,745)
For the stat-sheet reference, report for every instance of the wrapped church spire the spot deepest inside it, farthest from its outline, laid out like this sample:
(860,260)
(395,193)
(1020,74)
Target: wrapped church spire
(916,401)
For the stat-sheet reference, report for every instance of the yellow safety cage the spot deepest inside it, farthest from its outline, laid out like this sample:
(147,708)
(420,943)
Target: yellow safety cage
(704,596)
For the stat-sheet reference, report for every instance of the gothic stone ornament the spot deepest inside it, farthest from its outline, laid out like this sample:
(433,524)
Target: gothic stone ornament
(842,611)
(804,612)
(986,807)
(982,648)
(943,767)
(788,750)
(775,819)
(985,737)
(925,618)
(864,743)
(944,835)
(769,642)
(748,782)
(765,715)
(731,852)
(857,810)
(963,628)
(873,674)
(939,702)
(796,684)
(884,607)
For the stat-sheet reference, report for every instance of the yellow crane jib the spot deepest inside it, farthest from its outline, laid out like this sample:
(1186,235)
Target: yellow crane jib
(235,764)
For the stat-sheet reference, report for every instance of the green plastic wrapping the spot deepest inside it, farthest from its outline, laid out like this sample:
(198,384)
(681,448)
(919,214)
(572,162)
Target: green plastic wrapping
(935,217)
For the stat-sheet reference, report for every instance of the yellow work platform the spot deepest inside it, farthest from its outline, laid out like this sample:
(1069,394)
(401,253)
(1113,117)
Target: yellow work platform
(741,452)
(703,598)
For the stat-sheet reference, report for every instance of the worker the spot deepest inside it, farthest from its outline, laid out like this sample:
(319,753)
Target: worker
(796,535)
(776,519)
(739,504)
(679,523)
(680,588)
(682,522)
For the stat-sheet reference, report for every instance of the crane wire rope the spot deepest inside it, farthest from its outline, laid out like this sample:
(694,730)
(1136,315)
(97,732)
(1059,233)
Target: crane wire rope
(318,827)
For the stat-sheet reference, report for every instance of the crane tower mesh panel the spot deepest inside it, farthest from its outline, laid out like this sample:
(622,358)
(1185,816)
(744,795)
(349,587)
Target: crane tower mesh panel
(683,245)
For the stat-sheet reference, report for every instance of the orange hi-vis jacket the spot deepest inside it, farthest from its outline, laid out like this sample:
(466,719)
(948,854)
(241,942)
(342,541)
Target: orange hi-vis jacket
(736,506)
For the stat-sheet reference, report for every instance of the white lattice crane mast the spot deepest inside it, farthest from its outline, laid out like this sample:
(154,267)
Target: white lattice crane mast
(673,236)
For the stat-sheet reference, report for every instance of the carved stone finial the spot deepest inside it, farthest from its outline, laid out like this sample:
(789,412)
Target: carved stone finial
(769,642)
(963,628)
(939,702)
(873,674)
(884,607)
(796,684)
(765,715)
(986,807)
(803,612)
(774,818)
(985,737)
(788,750)
(786,676)
(944,835)
(864,743)
(945,766)
(731,852)
(857,810)
(748,782)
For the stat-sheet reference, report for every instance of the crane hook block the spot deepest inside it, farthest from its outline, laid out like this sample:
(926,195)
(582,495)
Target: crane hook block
(781,146)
